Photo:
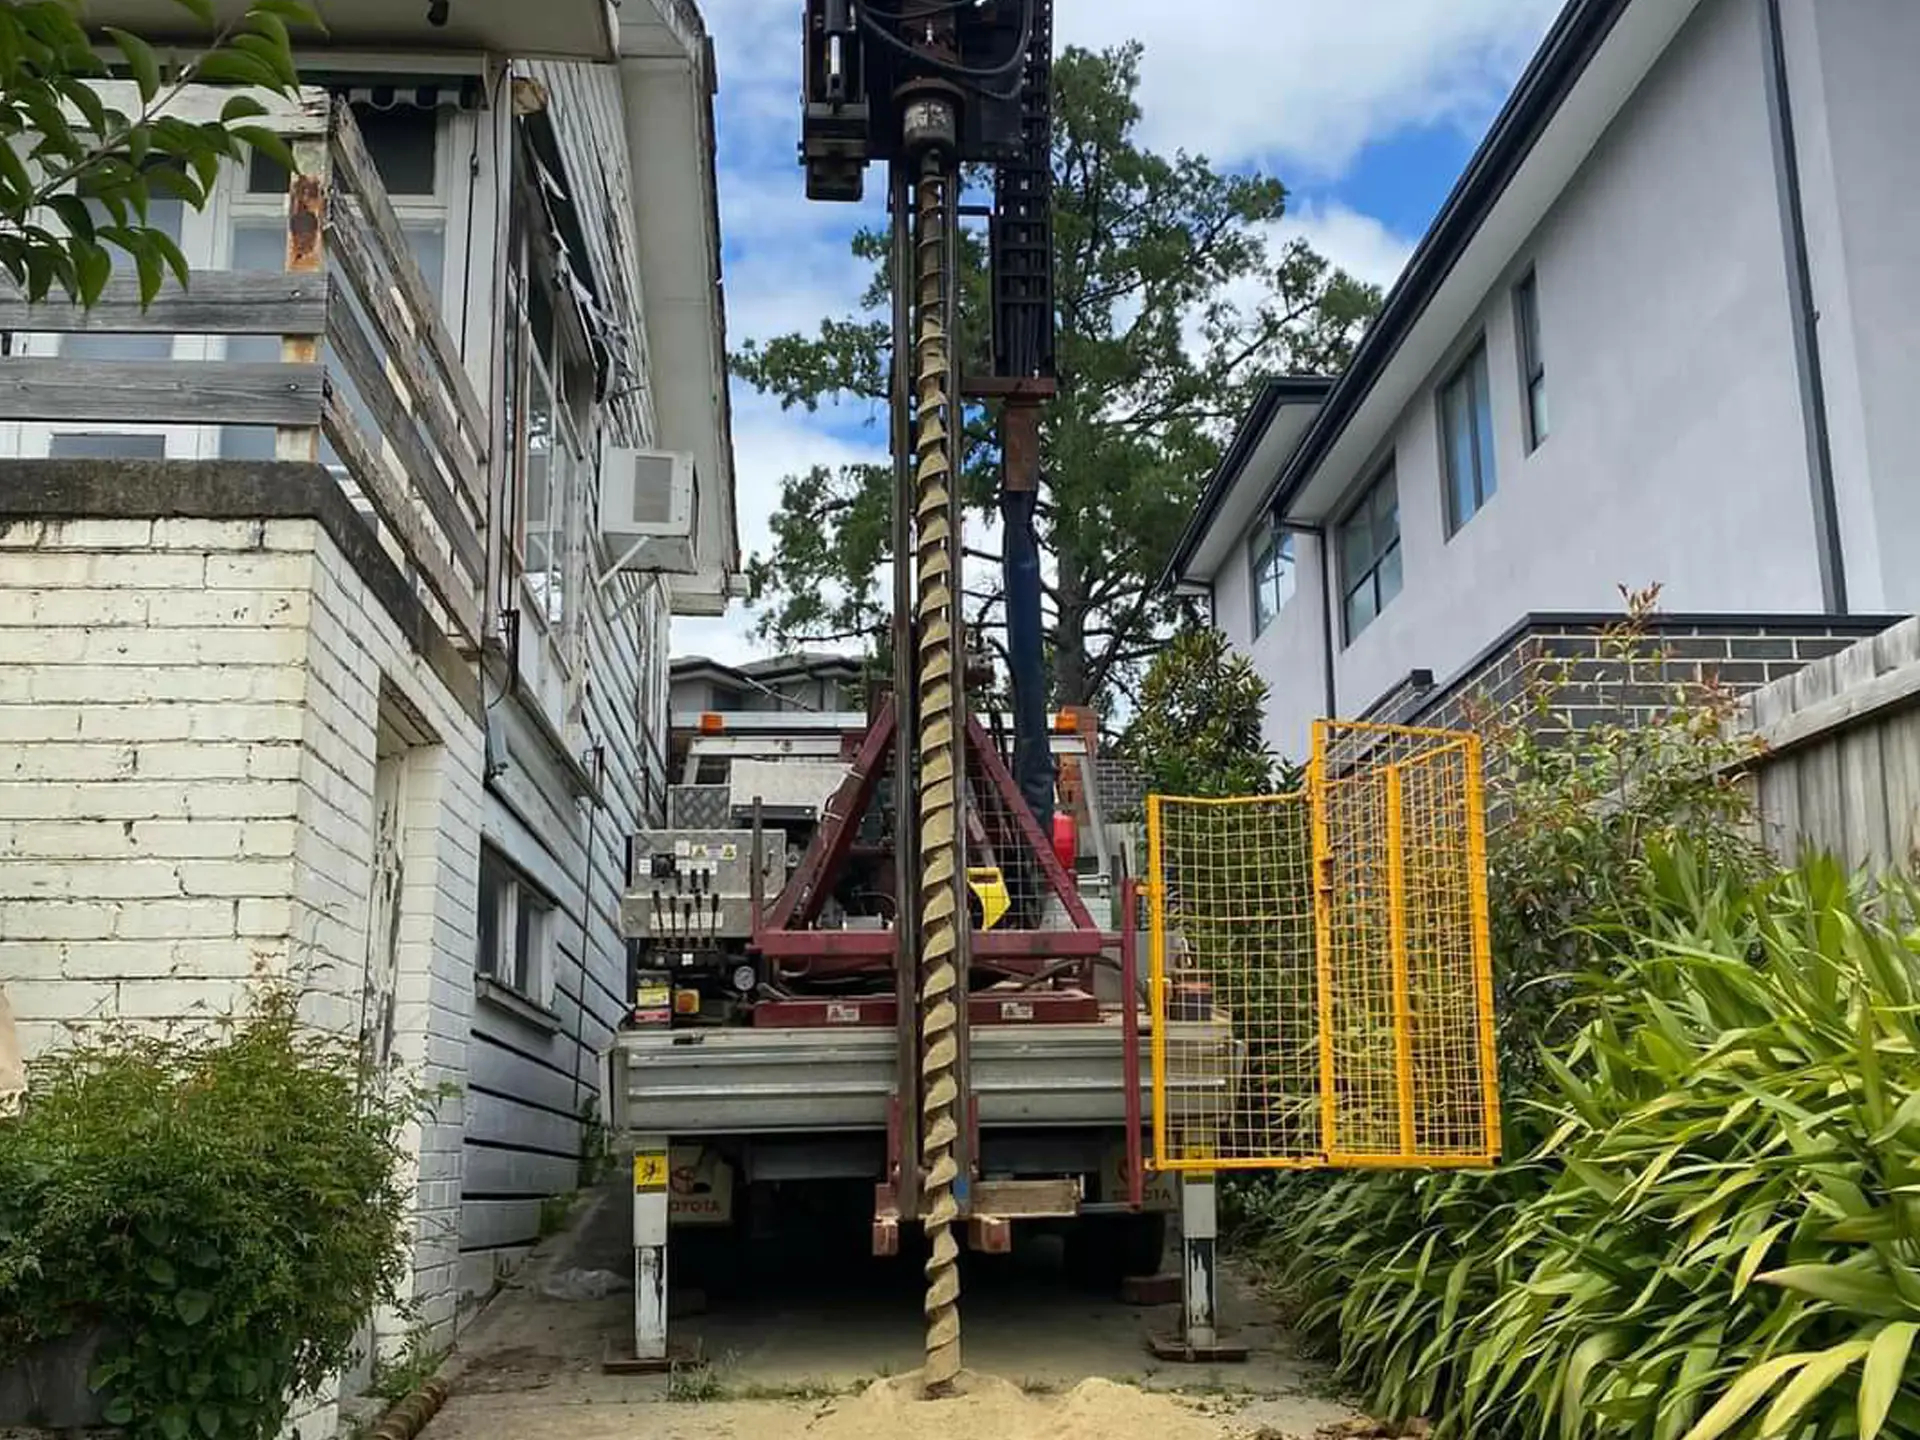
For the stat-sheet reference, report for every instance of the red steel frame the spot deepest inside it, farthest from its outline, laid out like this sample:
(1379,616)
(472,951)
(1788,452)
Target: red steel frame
(788,939)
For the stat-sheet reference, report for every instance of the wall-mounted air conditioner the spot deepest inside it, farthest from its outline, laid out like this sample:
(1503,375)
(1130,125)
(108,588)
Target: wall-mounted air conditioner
(650,511)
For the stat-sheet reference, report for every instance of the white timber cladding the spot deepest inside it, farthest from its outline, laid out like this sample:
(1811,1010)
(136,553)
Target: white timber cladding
(600,688)
(192,719)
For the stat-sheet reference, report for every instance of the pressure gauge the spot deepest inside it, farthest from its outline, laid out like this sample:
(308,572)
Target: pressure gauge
(744,979)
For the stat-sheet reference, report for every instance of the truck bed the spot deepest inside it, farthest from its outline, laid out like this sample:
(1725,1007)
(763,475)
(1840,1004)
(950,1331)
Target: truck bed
(745,1081)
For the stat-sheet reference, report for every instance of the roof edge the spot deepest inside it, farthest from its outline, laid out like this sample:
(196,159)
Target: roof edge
(1274,394)
(1575,37)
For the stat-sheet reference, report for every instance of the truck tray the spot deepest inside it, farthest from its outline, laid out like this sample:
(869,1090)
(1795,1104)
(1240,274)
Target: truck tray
(745,1081)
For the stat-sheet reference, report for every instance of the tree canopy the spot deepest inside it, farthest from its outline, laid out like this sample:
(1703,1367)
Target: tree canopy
(1199,729)
(1176,297)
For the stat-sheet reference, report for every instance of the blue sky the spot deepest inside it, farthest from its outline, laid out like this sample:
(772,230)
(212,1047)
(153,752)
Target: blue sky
(1367,110)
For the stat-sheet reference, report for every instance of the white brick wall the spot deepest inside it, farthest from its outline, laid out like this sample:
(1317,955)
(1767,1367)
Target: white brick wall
(188,721)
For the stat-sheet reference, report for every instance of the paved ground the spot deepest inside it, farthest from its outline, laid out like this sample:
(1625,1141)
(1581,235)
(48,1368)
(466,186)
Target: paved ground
(825,1343)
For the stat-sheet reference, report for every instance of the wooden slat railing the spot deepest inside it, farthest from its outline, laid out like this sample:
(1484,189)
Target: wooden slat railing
(425,472)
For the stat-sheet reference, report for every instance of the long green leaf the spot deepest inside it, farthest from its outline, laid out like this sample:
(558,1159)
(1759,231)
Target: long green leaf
(1816,1375)
(1850,1289)
(1593,1351)
(1880,1379)
(141,60)
(1743,1395)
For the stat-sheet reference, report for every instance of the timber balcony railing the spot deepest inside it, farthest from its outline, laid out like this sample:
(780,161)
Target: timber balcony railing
(365,359)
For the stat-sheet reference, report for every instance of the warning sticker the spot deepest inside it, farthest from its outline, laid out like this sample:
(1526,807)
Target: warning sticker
(729,852)
(650,1170)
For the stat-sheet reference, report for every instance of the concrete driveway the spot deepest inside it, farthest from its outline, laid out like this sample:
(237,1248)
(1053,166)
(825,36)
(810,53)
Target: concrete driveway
(817,1338)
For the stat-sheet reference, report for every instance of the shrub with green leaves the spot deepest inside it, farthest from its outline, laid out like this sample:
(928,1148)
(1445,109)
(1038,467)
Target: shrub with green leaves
(227,1211)
(1199,728)
(1721,1233)
(78,173)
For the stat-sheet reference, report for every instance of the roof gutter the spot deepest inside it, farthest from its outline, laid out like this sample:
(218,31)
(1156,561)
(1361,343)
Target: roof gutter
(1583,26)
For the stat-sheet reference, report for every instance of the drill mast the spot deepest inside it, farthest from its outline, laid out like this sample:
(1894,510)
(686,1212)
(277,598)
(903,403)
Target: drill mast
(930,86)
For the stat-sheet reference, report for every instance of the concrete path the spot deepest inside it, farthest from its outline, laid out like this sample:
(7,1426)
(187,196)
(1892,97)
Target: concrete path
(821,1340)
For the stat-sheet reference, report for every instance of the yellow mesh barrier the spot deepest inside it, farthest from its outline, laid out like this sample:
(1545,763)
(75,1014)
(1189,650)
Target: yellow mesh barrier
(1322,989)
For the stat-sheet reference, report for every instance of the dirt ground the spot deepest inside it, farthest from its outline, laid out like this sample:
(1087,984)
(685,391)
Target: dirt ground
(820,1340)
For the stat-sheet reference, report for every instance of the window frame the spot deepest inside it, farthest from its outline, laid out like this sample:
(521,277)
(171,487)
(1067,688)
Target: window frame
(1533,365)
(1271,565)
(1350,584)
(1472,370)
(529,975)
(566,366)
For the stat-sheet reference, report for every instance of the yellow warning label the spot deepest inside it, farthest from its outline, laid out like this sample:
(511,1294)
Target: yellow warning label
(650,1170)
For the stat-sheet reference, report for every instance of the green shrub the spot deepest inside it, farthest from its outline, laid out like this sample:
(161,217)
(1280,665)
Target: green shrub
(228,1211)
(1732,1240)
(1381,1270)
(1581,808)
(1721,1233)
(1199,727)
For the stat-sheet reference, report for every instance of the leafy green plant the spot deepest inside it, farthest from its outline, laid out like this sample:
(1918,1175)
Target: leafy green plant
(397,1376)
(78,174)
(1384,1271)
(1581,804)
(1731,1244)
(1199,728)
(1719,1234)
(225,1210)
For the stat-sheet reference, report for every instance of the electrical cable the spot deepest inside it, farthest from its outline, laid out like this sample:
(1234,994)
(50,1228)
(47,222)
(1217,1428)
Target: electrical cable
(966,73)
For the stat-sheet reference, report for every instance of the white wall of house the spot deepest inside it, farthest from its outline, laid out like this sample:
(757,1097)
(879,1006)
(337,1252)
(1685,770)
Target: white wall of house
(1854,110)
(1675,452)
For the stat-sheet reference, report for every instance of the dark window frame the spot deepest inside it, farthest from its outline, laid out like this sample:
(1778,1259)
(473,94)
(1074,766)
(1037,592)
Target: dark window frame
(1471,382)
(1533,364)
(1271,562)
(1366,508)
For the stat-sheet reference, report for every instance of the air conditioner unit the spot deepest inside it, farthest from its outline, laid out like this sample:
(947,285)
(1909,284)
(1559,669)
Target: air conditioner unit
(650,511)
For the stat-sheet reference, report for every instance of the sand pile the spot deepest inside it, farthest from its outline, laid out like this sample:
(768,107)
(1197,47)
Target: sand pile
(988,1409)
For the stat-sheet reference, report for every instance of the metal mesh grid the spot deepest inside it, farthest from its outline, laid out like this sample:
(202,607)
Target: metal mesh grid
(1236,1065)
(1347,1022)
(1001,859)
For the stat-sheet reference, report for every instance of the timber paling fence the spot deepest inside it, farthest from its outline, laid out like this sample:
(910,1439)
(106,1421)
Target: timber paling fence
(1840,771)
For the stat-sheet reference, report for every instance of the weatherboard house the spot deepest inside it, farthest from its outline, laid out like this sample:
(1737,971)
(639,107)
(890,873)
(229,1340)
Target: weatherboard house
(1660,333)
(355,667)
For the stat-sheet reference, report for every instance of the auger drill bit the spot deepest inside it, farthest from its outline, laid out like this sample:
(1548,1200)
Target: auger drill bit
(937,742)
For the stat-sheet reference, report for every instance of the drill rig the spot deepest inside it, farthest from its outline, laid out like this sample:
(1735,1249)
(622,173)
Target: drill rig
(894,978)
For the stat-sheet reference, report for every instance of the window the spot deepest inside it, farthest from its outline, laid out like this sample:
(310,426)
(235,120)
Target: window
(1370,554)
(1533,368)
(1466,439)
(516,931)
(1271,556)
(405,144)
(550,390)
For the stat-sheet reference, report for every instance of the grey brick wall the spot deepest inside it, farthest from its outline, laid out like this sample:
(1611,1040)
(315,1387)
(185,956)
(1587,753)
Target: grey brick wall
(1564,666)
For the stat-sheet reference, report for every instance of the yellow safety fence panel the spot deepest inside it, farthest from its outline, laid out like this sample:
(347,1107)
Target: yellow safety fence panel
(1321,969)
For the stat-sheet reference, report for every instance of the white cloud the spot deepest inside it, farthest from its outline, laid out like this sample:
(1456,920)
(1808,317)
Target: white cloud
(1307,80)
(1356,243)
(1301,84)
(768,445)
